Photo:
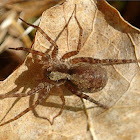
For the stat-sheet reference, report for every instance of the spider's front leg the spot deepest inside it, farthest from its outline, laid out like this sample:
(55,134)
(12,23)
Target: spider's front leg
(72,53)
(55,51)
(29,50)
(82,95)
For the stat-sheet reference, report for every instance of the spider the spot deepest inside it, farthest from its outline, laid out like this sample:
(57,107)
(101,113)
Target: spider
(78,75)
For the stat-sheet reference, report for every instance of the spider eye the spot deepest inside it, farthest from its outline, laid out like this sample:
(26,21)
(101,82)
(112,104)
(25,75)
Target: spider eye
(48,74)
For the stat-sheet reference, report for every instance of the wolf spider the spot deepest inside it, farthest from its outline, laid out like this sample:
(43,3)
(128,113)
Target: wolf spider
(78,75)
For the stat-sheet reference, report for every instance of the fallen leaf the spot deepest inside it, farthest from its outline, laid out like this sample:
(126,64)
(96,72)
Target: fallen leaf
(105,35)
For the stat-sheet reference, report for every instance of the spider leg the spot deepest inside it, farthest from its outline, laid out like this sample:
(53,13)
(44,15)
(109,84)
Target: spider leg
(72,53)
(60,94)
(66,25)
(43,95)
(55,51)
(82,95)
(19,95)
(32,91)
(103,61)
(32,51)
(63,104)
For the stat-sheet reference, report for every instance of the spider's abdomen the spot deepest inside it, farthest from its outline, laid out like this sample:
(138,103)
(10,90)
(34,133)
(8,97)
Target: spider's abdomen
(88,78)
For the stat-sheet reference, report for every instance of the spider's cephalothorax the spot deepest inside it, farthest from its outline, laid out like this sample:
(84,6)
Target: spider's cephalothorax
(81,74)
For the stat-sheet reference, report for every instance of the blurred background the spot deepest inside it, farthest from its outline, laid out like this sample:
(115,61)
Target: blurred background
(13,33)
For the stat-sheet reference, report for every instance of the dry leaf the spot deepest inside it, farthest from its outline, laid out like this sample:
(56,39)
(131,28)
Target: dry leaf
(106,35)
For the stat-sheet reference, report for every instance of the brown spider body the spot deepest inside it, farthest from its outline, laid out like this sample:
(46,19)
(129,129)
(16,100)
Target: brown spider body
(85,77)
(78,75)
(88,78)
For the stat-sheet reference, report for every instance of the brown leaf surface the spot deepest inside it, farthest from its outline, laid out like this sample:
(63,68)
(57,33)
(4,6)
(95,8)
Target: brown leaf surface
(106,35)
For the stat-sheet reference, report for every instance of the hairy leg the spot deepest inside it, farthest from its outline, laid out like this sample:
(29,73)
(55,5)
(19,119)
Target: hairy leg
(103,61)
(82,95)
(72,53)
(46,56)
(32,91)
(61,32)
(55,51)
(60,94)
(43,94)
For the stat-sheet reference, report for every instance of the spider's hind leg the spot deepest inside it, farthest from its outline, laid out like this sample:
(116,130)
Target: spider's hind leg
(82,95)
